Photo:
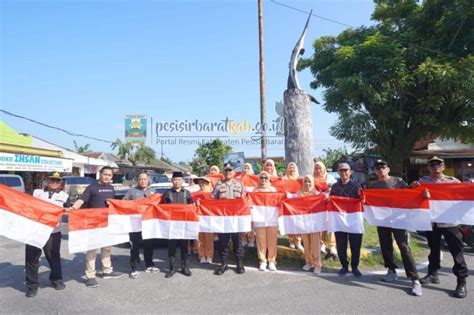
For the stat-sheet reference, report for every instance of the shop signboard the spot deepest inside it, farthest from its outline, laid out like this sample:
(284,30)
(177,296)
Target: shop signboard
(33,163)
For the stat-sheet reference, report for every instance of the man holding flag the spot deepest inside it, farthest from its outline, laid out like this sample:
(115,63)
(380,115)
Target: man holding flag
(451,233)
(385,181)
(53,194)
(95,196)
(229,188)
(177,194)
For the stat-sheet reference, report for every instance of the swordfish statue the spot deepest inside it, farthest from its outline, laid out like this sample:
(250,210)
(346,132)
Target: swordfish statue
(298,51)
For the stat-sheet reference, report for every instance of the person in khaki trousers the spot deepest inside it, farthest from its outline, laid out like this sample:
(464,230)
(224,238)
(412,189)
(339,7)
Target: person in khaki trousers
(311,240)
(95,196)
(294,240)
(205,242)
(266,235)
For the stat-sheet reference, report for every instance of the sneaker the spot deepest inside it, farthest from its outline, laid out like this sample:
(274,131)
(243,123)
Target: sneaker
(134,274)
(390,276)
(209,260)
(343,271)
(307,267)
(92,283)
(203,260)
(416,288)
(263,266)
(31,292)
(272,266)
(323,249)
(152,269)
(292,246)
(58,285)
(356,272)
(300,247)
(429,278)
(251,244)
(317,270)
(112,275)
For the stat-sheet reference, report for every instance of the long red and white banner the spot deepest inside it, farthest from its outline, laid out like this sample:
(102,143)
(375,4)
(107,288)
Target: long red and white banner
(25,218)
(265,207)
(224,216)
(170,221)
(397,208)
(302,215)
(345,215)
(451,203)
(88,230)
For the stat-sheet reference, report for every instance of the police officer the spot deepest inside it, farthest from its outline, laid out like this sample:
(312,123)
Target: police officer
(53,194)
(141,191)
(177,194)
(451,234)
(229,188)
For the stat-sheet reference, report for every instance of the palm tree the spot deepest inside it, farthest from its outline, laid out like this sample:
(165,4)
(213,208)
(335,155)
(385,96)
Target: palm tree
(134,152)
(81,149)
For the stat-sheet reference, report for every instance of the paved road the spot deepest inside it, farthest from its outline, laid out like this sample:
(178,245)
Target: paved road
(253,292)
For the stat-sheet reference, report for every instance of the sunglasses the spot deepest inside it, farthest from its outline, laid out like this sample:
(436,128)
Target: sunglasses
(307,181)
(264,177)
(435,164)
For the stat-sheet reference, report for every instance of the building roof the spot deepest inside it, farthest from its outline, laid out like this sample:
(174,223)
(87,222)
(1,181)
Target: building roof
(446,153)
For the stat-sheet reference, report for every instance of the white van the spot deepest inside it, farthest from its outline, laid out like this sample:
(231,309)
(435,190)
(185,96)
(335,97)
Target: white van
(13,181)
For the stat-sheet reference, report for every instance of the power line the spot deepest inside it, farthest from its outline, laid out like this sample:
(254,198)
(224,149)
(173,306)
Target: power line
(53,127)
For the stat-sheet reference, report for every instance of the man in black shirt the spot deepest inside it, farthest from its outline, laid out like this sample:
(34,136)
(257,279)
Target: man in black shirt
(95,196)
(177,194)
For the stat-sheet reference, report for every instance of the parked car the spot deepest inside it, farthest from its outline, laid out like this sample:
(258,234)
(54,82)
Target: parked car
(13,181)
(75,185)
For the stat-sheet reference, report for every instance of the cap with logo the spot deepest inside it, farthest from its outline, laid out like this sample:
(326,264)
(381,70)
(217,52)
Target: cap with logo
(55,175)
(380,162)
(343,166)
(435,159)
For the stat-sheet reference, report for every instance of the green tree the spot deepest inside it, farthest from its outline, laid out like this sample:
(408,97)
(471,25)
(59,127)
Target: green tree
(331,156)
(81,149)
(208,154)
(134,152)
(409,76)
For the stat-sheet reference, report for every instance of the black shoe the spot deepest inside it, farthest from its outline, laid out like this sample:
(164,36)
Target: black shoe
(461,291)
(170,273)
(343,271)
(222,268)
(58,285)
(185,271)
(356,272)
(92,283)
(240,269)
(31,292)
(429,278)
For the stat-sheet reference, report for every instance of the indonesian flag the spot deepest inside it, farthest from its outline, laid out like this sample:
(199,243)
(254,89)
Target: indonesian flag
(451,203)
(215,178)
(288,185)
(125,216)
(199,195)
(345,215)
(303,215)
(27,219)
(170,221)
(265,207)
(88,230)
(397,208)
(249,182)
(224,216)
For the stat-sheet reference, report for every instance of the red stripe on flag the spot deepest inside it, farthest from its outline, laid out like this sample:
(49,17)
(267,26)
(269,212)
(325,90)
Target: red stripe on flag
(249,180)
(454,191)
(29,207)
(344,204)
(304,205)
(269,199)
(201,195)
(125,207)
(171,212)
(396,198)
(85,219)
(288,185)
(224,207)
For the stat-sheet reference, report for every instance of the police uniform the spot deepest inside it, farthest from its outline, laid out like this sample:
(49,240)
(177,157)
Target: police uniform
(51,248)
(230,189)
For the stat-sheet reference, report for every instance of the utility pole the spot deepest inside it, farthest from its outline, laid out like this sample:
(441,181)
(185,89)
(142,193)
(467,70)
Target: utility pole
(263,114)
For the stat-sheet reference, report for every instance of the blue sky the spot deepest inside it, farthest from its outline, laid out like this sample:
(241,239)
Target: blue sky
(84,65)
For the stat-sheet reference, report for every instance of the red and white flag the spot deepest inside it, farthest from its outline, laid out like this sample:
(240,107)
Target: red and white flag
(265,207)
(27,219)
(397,208)
(345,215)
(125,216)
(451,203)
(303,215)
(224,216)
(291,186)
(249,182)
(199,196)
(170,221)
(88,229)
